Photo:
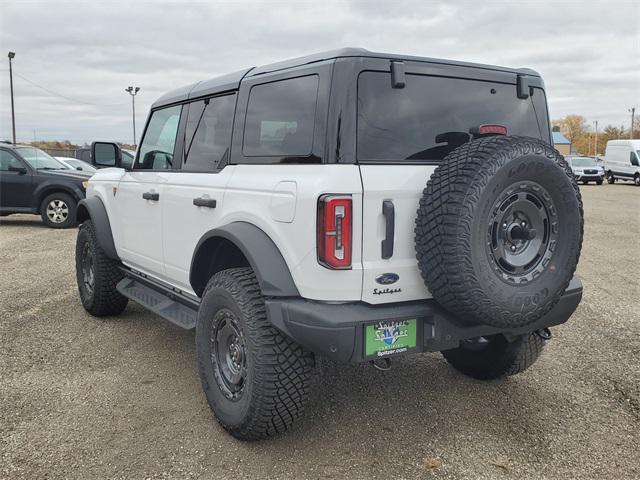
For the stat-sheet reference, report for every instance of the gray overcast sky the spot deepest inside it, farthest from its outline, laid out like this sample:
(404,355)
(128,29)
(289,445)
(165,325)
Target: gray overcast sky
(587,51)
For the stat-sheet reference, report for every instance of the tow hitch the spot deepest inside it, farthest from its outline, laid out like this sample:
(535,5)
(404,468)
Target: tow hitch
(382,364)
(544,333)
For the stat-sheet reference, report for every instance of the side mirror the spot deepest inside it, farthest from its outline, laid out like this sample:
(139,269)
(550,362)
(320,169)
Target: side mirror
(106,154)
(20,170)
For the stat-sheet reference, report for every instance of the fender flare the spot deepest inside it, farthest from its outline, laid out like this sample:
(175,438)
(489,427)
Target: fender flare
(263,255)
(93,208)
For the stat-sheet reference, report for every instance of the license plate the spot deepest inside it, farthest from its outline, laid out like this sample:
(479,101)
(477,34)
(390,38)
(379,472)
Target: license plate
(390,337)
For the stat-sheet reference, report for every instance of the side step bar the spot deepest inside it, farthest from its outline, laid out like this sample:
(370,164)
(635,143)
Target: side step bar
(172,306)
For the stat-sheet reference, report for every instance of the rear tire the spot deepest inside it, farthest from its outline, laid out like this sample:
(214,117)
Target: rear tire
(255,379)
(58,210)
(499,358)
(97,275)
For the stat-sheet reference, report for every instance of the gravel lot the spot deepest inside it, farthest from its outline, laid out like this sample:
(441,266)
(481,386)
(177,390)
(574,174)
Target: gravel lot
(120,398)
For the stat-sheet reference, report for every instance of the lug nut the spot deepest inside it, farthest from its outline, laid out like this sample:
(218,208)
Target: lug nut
(523,224)
(513,248)
(504,225)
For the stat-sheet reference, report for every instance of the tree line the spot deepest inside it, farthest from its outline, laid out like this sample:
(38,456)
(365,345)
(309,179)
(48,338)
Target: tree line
(583,136)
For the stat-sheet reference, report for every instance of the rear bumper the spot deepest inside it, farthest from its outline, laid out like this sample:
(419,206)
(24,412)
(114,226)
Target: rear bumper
(336,330)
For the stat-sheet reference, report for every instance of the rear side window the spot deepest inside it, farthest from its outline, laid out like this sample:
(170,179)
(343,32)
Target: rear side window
(281,118)
(208,133)
(156,150)
(431,116)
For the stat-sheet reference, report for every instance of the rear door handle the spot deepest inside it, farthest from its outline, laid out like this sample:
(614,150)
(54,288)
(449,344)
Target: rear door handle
(204,202)
(388,211)
(151,196)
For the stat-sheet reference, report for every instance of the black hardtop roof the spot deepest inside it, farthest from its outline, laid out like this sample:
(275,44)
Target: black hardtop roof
(231,81)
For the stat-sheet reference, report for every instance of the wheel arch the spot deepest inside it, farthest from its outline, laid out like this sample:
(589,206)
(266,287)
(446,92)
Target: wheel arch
(93,209)
(240,244)
(47,189)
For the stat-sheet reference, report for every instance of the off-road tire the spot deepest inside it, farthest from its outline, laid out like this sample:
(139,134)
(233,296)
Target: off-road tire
(278,371)
(499,359)
(71,206)
(104,299)
(453,242)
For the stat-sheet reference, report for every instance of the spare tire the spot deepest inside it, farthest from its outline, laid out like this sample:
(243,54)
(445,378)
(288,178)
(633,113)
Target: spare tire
(499,231)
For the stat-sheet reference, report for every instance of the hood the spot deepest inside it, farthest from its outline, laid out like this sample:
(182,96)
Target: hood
(78,174)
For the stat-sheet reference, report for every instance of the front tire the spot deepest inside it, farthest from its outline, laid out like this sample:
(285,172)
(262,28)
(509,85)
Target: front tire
(255,379)
(490,358)
(636,180)
(97,275)
(599,182)
(610,178)
(58,210)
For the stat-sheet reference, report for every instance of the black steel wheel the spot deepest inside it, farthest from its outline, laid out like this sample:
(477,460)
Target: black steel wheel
(97,275)
(256,380)
(522,232)
(228,354)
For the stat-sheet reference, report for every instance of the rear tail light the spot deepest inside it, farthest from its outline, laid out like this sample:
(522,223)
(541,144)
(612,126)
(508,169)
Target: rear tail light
(335,231)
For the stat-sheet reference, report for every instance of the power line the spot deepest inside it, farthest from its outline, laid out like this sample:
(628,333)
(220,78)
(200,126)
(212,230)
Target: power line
(56,94)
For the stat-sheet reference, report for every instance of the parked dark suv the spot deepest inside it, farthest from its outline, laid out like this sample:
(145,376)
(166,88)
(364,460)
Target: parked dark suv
(32,181)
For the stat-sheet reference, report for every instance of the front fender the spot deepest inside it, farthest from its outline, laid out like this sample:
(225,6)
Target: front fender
(93,209)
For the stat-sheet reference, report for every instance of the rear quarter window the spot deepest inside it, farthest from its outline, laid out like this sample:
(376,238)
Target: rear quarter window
(280,118)
(431,116)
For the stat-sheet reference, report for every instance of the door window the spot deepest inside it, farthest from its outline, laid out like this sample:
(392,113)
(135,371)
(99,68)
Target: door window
(634,159)
(8,161)
(281,118)
(156,151)
(208,133)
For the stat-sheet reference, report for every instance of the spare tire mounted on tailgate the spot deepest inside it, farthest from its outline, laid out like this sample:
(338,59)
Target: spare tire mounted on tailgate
(499,230)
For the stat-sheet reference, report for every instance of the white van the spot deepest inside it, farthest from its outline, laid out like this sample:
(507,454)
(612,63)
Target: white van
(622,161)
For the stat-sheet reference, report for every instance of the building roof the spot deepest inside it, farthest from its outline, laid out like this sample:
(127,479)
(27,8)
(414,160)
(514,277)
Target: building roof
(232,81)
(559,139)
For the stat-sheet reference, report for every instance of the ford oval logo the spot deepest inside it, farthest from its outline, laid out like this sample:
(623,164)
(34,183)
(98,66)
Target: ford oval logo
(387,278)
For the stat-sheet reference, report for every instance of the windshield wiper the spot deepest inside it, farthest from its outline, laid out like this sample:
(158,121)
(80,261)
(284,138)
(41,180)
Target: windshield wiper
(49,168)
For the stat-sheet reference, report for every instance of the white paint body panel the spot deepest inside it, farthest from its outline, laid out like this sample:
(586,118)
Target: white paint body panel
(159,238)
(403,185)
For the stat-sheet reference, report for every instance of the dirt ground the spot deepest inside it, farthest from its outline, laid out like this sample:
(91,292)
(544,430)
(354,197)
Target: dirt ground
(120,398)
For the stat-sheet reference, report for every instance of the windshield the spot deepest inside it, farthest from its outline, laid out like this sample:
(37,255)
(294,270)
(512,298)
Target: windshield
(40,160)
(583,162)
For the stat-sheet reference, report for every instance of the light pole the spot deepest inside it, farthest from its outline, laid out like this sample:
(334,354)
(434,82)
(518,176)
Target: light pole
(596,140)
(13,114)
(133,91)
(633,114)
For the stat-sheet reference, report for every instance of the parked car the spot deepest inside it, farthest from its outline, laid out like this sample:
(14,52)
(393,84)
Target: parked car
(85,154)
(75,164)
(622,161)
(586,169)
(348,204)
(32,181)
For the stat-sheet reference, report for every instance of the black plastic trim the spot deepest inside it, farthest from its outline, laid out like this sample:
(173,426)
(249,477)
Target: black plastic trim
(388,211)
(98,214)
(337,330)
(262,254)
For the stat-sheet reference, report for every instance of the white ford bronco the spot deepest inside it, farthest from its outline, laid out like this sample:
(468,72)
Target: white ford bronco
(350,204)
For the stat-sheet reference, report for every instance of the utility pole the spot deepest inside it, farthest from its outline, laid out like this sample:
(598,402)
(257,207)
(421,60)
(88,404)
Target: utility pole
(633,114)
(133,91)
(13,114)
(595,149)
